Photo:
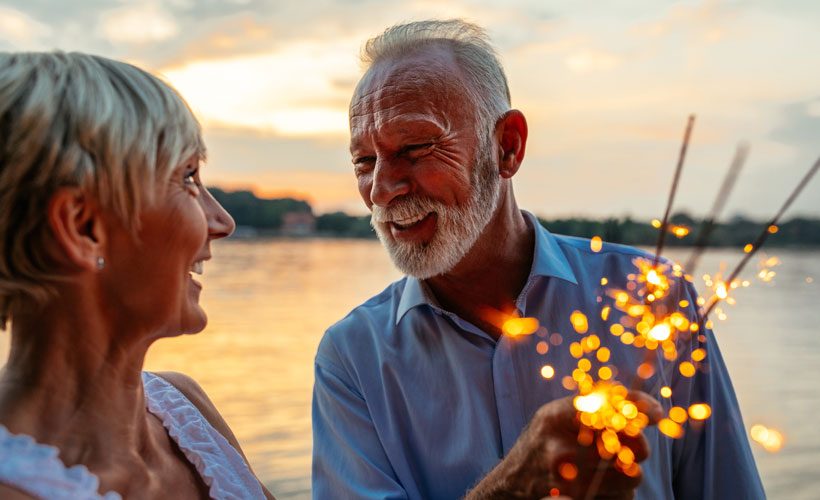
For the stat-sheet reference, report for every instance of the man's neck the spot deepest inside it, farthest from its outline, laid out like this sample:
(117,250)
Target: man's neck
(484,286)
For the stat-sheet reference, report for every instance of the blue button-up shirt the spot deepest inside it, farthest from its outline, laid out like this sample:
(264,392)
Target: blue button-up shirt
(411,401)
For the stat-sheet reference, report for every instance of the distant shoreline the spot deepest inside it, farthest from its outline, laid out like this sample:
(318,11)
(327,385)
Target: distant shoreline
(292,218)
(247,234)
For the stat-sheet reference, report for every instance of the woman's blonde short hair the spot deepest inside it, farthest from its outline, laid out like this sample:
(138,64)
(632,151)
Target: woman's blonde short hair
(77,120)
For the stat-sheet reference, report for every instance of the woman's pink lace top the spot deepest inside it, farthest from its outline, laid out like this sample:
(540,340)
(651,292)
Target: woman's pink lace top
(37,470)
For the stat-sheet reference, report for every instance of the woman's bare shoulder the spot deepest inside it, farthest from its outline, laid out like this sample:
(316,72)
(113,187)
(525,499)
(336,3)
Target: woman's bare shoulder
(9,493)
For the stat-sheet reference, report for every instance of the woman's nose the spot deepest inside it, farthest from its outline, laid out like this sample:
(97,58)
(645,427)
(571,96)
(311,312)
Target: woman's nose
(220,222)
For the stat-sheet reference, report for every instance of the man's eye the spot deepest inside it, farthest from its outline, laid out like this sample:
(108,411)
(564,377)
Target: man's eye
(361,162)
(416,147)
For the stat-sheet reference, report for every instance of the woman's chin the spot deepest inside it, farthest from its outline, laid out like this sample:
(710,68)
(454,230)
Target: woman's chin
(194,320)
(199,325)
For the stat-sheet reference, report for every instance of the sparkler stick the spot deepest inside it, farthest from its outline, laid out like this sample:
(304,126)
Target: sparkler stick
(595,482)
(763,236)
(605,463)
(636,383)
(751,249)
(708,225)
(664,224)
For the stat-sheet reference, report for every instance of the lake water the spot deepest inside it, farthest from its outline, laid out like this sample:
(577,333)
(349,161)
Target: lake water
(269,302)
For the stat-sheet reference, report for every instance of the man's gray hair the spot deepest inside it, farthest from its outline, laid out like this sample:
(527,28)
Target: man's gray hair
(105,127)
(471,47)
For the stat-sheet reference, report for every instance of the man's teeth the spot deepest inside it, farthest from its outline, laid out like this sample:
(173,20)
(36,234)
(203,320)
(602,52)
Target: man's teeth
(409,221)
(197,267)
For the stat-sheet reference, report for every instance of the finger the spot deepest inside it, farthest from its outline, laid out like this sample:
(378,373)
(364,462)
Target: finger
(600,476)
(648,405)
(617,482)
(638,444)
(557,415)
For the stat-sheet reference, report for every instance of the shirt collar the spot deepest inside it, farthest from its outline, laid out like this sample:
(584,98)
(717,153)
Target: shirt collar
(414,295)
(548,260)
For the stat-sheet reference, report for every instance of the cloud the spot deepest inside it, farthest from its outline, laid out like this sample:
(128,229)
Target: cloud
(318,169)
(138,24)
(591,60)
(799,125)
(18,30)
(700,22)
(292,91)
(605,87)
(813,108)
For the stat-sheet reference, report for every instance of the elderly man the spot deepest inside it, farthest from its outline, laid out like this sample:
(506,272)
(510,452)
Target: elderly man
(418,392)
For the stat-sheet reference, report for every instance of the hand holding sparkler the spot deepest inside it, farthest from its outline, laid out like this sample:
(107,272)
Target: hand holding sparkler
(550,459)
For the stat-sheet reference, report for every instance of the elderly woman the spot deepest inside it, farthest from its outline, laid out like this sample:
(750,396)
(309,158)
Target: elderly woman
(103,222)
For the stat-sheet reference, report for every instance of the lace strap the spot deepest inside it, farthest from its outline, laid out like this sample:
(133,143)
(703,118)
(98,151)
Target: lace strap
(222,468)
(37,470)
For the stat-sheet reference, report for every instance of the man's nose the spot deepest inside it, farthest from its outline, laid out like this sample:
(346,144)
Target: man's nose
(389,182)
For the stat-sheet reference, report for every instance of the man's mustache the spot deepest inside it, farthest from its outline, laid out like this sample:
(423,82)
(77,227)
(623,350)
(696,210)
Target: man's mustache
(405,208)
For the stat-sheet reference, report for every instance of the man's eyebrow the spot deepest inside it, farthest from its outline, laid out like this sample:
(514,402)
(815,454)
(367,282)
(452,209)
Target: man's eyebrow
(401,127)
(413,127)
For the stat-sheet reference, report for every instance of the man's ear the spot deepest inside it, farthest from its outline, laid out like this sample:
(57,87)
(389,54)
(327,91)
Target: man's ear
(77,227)
(511,131)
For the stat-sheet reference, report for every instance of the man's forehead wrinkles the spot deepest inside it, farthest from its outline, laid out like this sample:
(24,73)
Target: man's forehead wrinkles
(368,102)
(387,108)
(397,102)
(362,97)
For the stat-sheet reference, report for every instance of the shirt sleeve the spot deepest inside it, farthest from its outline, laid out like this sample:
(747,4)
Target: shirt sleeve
(713,460)
(349,460)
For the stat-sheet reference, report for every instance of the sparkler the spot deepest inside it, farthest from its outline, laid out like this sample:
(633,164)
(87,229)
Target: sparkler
(664,224)
(770,439)
(741,153)
(769,229)
(651,320)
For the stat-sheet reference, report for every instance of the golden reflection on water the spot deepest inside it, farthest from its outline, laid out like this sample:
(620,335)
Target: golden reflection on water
(270,301)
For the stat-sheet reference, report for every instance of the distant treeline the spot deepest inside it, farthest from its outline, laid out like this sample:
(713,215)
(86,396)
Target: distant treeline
(259,213)
(266,217)
(736,232)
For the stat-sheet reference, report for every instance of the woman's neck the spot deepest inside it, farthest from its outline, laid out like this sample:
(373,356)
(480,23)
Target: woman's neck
(73,380)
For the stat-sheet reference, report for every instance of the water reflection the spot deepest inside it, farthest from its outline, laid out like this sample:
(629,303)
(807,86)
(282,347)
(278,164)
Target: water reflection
(270,301)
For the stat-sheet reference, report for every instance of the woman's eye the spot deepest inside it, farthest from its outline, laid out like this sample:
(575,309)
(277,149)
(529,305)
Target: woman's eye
(190,178)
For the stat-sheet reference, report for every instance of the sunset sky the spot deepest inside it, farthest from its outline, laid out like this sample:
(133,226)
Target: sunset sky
(606,86)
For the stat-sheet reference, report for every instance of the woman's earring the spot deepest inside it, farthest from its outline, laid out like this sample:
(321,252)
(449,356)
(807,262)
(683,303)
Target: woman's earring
(100,263)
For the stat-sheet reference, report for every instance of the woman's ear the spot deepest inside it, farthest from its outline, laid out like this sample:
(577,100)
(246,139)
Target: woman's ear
(511,131)
(77,227)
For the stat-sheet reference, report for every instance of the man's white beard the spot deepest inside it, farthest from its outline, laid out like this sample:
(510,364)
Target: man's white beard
(457,228)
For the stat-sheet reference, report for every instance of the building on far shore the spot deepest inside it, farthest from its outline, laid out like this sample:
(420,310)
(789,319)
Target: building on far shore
(298,224)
